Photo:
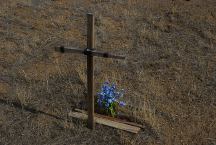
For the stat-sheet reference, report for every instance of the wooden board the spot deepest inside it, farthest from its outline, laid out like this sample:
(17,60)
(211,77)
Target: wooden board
(113,119)
(107,122)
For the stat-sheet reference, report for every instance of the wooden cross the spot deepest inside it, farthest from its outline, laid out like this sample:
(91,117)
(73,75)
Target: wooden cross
(90,52)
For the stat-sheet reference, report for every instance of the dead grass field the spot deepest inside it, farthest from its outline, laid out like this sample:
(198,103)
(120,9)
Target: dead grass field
(169,75)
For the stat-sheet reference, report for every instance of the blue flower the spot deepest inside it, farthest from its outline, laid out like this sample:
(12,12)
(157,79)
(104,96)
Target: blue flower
(121,103)
(108,97)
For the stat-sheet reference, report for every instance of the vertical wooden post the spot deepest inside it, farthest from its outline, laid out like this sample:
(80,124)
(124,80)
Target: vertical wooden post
(90,70)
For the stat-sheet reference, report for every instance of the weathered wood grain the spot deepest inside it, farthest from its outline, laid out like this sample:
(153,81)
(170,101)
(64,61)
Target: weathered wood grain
(107,122)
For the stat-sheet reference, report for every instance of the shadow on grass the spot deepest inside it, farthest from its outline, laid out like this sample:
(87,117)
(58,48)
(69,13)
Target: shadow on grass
(17,105)
(26,108)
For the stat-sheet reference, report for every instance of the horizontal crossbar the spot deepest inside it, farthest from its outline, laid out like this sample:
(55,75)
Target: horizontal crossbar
(63,49)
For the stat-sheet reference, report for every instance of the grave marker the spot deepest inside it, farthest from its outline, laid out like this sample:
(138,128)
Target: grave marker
(90,52)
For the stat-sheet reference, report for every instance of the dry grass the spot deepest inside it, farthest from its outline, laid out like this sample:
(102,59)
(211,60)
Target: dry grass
(169,74)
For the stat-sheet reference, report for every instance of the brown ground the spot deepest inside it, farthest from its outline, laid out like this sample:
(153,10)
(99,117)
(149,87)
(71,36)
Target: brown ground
(169,75)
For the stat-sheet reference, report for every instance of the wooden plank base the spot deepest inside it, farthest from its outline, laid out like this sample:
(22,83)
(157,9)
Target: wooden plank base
(113,119)
(106,121)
